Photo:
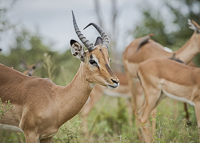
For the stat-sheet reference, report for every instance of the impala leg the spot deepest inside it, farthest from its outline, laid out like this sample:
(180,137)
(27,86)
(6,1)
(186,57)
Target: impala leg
(139,95)
(129,105)
(134,94)
(47,140)
(154,113)
(133,89)
(187,116)
(152,98)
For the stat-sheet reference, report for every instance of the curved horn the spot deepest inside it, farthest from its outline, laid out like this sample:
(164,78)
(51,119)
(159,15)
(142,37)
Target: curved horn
(83,39)
(103,35)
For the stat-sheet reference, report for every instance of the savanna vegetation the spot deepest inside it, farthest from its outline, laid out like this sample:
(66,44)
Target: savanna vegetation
(108,120)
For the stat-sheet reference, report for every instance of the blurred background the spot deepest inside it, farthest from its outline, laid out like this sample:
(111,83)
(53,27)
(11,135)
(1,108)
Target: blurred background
(40,30)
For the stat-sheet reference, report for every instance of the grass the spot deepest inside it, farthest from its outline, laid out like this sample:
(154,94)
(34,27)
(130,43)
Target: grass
(108,122)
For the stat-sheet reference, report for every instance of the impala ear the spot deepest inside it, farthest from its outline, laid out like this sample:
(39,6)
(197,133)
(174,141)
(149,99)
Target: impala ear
(38,64)
(193,25)
(77,50)
(23,65)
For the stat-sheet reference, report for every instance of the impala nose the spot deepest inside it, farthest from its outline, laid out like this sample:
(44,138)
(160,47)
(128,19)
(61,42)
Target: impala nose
(114,85)
(114,81)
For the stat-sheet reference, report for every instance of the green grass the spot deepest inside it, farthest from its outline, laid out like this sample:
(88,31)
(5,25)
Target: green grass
(108,122)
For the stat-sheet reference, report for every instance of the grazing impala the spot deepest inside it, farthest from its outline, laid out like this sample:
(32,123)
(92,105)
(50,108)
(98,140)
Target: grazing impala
(162,77)
(40,106)
(142,49)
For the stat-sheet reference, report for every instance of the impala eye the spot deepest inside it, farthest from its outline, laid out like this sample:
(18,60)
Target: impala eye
(93,62)
(34,67)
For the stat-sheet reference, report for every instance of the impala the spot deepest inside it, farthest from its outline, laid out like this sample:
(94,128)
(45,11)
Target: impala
(98,91)
(40,106)
(30,69)
(144,48)
(162,77)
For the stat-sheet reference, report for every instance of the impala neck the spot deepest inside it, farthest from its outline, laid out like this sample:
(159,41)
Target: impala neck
(74,96)
(189,49)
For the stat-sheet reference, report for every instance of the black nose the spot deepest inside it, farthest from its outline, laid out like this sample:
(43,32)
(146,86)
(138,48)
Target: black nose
(115,81)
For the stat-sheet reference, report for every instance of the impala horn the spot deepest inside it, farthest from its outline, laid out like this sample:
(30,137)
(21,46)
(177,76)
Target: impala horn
(103,35)
(86,42)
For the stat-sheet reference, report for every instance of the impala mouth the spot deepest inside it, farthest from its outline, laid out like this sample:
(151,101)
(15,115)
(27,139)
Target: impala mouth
(113,86)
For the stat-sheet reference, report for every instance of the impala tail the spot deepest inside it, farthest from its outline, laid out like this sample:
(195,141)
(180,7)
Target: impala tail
(144,41)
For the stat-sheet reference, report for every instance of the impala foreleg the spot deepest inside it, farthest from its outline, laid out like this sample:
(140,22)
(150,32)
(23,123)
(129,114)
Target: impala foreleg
(133,89)
(152,98)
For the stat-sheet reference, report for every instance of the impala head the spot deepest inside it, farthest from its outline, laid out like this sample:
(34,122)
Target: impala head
(29,70)
(96,59)
(194,26)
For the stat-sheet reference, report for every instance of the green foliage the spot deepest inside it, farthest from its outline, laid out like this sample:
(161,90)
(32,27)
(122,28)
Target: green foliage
(69,132)
(48,65)
(4,108)
(153,23)
(6,137)
(5,24)
(167,132)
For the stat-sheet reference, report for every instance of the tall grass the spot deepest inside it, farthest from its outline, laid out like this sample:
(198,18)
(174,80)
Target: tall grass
(108,122)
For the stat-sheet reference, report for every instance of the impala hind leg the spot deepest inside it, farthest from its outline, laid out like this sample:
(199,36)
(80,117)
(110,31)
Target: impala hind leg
(133,89)
(129,108)
(152,98)
(139,96)
(187,116)
(154,113)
